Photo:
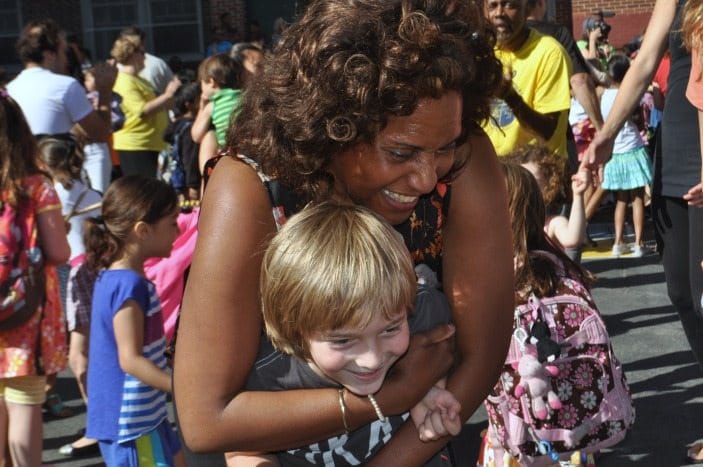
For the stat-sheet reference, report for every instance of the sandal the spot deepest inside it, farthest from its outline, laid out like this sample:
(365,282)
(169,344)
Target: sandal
(694,454)
(55,406)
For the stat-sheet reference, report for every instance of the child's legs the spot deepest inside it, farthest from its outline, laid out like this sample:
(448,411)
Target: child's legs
(622,198)
(637,196)
(24,396)
(78,359)
(98,165)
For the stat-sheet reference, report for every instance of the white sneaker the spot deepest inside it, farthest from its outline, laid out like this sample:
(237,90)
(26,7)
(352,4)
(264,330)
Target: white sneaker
(619,249)
(639,251)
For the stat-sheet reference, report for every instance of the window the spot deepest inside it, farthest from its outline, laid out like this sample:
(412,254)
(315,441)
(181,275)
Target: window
(10,27)
(172,27)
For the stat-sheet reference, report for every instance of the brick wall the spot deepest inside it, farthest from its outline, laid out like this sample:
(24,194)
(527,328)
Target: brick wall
(631,17)
(563,13)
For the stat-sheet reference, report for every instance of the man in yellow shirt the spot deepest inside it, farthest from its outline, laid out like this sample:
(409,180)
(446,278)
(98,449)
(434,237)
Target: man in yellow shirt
(534,100)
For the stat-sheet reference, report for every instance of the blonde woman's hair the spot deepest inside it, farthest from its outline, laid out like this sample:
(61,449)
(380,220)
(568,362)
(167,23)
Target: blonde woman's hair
(692,28)
(124,48)
(332,266)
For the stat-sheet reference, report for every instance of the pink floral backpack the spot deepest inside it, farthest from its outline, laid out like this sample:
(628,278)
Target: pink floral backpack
(562,393)
(22,287)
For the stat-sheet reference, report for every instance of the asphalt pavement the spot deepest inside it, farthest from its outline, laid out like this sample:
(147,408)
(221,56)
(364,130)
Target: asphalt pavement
(647,337)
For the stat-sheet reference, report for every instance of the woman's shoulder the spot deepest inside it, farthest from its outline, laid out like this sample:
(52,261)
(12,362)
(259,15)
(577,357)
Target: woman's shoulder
(236,187)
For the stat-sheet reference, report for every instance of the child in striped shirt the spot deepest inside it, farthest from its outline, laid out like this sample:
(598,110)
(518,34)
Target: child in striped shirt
(127,371)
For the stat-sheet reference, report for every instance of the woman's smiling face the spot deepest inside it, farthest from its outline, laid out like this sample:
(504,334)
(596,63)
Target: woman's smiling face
(404,162)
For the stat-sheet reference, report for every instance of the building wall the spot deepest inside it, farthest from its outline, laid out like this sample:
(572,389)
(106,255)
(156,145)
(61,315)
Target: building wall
(61,11)
(630,20)
(237,15)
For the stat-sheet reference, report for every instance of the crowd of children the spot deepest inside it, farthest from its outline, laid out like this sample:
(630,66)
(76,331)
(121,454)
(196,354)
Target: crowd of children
(318,326)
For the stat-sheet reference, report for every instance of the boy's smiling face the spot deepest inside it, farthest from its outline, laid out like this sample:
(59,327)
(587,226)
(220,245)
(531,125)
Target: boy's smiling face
(359,359)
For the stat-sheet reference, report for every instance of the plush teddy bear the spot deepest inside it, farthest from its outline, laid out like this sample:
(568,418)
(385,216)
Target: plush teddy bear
(535,379)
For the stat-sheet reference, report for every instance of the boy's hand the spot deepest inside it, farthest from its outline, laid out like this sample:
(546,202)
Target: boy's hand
(580,181)
(437,415)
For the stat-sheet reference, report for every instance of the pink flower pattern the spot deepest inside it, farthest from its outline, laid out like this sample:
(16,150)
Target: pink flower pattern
(18,346)
(583,376)
(568,416)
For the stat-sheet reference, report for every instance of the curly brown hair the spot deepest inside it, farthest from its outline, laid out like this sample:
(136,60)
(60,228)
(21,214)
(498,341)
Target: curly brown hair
(345,67)
(553,169)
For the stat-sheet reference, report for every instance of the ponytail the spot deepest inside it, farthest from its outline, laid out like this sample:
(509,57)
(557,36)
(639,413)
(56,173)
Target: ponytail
(101,246)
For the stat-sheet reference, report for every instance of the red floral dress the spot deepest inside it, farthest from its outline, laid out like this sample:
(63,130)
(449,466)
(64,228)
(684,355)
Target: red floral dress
(46,329)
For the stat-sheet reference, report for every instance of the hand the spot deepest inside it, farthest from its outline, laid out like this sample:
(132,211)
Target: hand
(580,181)
(438,414)
(172,87)
(105,75)
(597,154)
(595,34)
(428,359)
(694,197)
(505,88)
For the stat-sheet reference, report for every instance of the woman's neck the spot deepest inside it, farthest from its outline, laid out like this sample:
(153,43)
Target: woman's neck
(126,68)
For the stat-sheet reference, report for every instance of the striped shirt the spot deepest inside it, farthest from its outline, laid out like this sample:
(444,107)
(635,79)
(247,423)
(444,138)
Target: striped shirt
(121,407)
(224,103)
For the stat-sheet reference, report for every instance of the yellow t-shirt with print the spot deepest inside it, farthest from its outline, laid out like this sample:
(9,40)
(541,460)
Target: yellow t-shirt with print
(139,132)
(540,72)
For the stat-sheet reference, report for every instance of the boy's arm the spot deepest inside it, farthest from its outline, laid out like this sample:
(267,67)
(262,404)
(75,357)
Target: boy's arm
(129,335)
(201,125)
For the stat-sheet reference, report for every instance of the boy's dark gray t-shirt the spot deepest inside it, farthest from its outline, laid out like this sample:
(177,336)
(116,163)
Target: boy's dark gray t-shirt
(276,371)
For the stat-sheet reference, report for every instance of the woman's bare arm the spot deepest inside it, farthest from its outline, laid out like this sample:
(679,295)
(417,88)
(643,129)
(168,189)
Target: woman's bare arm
(478,281)
(636,81)
(219,332)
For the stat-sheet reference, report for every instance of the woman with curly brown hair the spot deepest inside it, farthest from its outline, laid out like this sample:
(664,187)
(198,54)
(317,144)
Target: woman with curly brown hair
(376,103)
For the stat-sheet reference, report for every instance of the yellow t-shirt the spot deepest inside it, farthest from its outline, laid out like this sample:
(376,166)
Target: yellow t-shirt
(540,71)
(139,133)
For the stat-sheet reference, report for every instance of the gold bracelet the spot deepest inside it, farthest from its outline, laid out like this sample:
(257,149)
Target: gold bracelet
(382,418)
(343,408)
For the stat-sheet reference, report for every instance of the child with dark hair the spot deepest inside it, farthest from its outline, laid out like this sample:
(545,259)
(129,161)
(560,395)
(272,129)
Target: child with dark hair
(184,150)
(549,171)
(127,373)
(629,169)
(30,215)
(220,82)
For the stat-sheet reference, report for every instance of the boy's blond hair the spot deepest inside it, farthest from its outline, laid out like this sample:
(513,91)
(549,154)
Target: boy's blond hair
(332,266)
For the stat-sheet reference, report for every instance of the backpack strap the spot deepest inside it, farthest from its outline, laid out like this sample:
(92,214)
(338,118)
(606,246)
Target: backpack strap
(74,208)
